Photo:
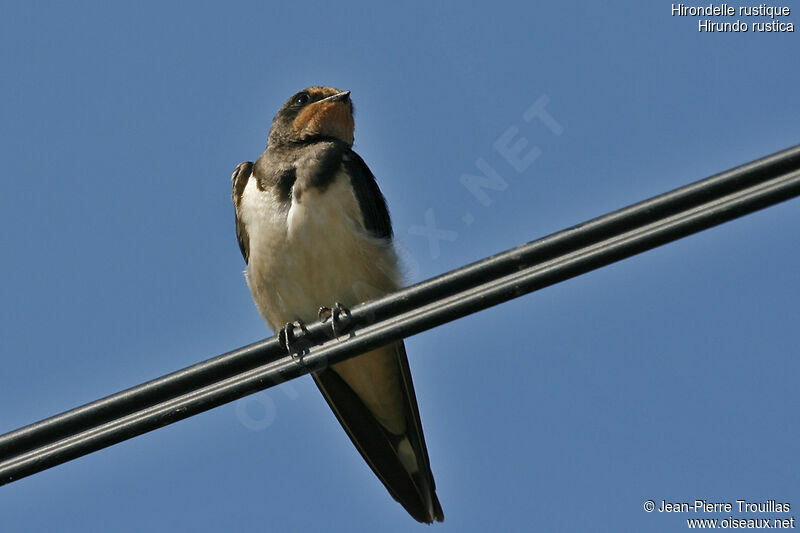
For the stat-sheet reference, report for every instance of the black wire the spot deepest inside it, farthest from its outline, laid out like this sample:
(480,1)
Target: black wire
(496,279)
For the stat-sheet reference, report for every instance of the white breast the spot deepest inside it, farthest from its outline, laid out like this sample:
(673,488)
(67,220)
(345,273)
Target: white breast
(312,252)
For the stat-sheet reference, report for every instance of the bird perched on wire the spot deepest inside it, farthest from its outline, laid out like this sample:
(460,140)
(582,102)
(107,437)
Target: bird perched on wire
(313,228)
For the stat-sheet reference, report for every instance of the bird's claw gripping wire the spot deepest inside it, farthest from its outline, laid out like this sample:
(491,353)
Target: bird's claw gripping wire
(339,316)
(288,335)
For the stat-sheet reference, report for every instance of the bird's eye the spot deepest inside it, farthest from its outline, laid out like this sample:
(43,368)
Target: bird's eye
(301,99)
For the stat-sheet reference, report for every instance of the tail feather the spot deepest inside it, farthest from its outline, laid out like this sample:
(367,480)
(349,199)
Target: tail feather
(400,461)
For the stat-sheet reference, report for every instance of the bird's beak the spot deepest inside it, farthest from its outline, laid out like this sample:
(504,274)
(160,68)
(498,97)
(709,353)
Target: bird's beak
(338,97)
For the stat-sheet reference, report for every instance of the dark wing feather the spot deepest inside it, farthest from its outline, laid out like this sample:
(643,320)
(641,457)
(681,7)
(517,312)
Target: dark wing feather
(239,178)
(415,492)
(369,196)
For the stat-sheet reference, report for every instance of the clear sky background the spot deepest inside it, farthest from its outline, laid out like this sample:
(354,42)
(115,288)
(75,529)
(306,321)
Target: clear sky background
(671,375)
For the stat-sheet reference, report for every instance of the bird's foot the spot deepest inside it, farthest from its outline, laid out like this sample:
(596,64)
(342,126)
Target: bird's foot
(339,316)
(289,335)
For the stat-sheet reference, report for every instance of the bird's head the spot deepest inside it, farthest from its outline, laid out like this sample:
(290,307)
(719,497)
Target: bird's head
(314,113)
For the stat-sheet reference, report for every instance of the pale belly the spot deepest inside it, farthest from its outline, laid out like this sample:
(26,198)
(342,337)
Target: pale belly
(313,254)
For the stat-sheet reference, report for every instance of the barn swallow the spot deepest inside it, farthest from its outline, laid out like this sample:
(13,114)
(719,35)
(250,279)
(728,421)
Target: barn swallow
(313,228)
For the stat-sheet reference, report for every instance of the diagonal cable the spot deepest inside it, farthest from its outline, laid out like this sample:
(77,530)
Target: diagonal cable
(493,280)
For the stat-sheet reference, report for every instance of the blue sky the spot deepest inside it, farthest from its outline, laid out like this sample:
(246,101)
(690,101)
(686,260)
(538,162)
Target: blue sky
(671,375)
